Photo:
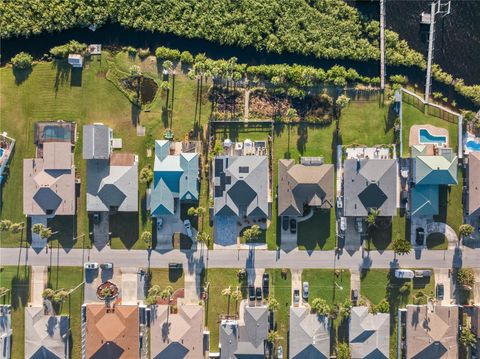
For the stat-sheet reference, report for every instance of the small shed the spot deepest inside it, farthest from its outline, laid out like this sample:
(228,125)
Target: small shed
(76,60)
(95,49)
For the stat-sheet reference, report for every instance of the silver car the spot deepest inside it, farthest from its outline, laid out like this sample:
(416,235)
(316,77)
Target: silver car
(305,290)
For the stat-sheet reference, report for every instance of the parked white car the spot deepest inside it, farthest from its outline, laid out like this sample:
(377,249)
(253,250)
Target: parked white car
(91,265)
(188,227)
(404,273)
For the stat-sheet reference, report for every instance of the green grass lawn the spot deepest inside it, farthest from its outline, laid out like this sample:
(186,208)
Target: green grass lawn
(166,277)
(281,290)
(324,283)
(217,304)
(382,238)
(451,205)
(261,239)
(366,123)
(413,116)
(17,279)
(437,241)
(49,93)
(69,278)
(318,232)
(378,284)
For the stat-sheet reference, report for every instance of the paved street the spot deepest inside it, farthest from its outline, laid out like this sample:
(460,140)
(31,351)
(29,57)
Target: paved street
(233,258)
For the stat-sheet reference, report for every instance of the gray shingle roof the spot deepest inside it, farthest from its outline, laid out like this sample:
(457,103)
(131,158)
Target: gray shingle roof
(370,183)
(369,334)
(299,185)
(241,185)
(309,335)
(96,142)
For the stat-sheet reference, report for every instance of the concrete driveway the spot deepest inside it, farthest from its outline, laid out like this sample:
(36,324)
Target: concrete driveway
(129,286)
(355,280)
(442,276)
(297,283)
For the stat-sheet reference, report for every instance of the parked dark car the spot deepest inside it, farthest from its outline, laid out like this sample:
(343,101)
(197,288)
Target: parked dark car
(96,218)
(285,225)
(296,297)
(419,236)
(440,291)
(293,226)
(251,294)
(258,294)
(266,285)
(354,296)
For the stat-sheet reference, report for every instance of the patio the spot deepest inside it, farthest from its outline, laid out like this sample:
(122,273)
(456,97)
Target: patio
(368,152)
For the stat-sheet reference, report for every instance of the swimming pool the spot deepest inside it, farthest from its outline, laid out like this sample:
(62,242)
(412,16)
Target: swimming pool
(472,145)
(427,138)
(1,153)
(56,133)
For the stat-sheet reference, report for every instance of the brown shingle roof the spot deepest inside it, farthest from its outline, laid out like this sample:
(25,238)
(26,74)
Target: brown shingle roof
(474,183)
(117,326)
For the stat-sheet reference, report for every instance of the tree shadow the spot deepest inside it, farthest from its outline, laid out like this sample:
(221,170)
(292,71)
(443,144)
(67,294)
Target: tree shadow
(62,74)
(135,114)
(21,75)
(20,291)
(302,139)
(316,230)
(65,229)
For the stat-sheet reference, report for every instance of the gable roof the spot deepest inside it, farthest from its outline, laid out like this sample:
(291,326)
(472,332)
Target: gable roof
(245,338)
(432,334)
(96,142)
(175,174)
(369,334)
(49,181)
(474,183)
(435,170)
(309,334)
(112,333)
(241,185)
(46,336)
(300,185)
(184,336)
(370,183)
(113,183)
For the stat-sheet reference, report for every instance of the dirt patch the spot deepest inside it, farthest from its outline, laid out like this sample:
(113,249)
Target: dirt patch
(227,102)
(101,74)
(263,104)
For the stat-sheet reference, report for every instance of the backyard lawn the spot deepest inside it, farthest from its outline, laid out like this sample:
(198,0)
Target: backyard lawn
(413,116)
(89,97)
(281,290)
(69,278)
(17,280)
(324,283)
(217,304)
(318,232)
(367,123)
(378,284)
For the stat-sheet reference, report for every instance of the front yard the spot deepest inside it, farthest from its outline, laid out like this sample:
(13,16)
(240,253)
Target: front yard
(318,232)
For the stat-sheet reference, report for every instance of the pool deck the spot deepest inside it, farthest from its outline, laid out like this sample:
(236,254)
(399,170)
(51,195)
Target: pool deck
(414,137)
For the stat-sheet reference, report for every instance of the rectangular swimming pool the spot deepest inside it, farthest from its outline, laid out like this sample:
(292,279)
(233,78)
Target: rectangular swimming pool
(427,138)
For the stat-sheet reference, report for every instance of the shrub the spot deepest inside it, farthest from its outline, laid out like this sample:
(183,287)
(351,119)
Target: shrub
(143,53)
(466,278)
(131,50)
(399,79)
(22,61)
(466,230)
(186,58)
(72,47)
(164,53)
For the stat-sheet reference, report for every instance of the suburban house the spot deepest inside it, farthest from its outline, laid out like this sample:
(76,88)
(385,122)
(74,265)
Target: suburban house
(247,336)
(369,184)
(369,334)
(111,331)
(5,331)
(46,335)
(431,168)
(473,199)
(185,335)
(175,179)
(49,186)
(112,179)
(309,183)
(309,334)
(241,189)
(432,331)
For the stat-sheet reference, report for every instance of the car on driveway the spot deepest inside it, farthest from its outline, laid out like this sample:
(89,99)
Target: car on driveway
(91,265)
(440,291)
(354,296)
(188,227)
(159,223)
(293,226)
(251,294)
(305,290)
(419,236)
(96,218)
(258,294)
(106,265)
(280,352)
(285,223)
(266,285)
(296,297)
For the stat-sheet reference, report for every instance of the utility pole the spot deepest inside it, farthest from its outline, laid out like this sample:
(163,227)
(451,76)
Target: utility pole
(435,8)
(382,44)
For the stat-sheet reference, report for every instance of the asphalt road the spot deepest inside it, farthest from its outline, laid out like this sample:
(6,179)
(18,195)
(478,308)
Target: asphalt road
(233,258)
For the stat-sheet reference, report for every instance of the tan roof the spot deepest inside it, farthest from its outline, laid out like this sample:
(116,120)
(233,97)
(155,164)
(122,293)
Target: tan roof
(122,159)
(474,183)
(112,330)
(184,338)
(49,182)
(301,185)
(432,334)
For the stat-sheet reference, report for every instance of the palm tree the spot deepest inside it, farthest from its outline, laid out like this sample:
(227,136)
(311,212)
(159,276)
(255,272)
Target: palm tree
(205,239)
(237,295)
(272,337)
(147,238)
(37,228)
(167,294)
(227,292)
(273,304)
(372,216)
